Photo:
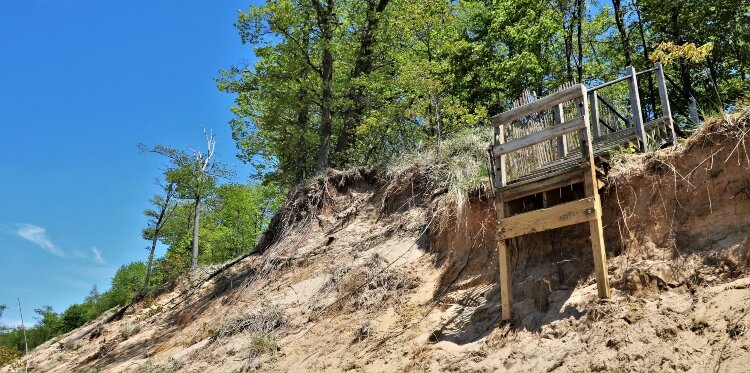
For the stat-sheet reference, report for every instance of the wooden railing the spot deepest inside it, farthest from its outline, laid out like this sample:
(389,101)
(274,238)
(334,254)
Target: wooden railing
(555,102)
(554,126)
(636,118)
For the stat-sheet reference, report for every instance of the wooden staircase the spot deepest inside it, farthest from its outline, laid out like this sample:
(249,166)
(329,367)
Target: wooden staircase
(563,121)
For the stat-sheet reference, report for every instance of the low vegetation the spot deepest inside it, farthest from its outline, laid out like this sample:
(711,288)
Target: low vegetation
(261,322)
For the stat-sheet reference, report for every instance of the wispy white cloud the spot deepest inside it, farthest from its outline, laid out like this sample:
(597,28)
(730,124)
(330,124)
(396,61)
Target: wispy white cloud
(97,255)
(38,236)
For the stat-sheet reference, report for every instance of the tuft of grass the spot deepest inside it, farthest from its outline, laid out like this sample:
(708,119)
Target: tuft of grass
(262,344)
(129,329)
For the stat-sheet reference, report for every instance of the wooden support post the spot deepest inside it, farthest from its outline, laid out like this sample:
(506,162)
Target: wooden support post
(666,110)
(506,303)
(502,247)
(635,108)
(594,102)
(591,189)
(562,143)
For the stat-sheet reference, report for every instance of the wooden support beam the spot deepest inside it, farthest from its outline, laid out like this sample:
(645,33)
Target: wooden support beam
(666,110)
(544,103)
(635,108)
(597,234)
(537,137)
(591,190)
(562,215)
(506,274)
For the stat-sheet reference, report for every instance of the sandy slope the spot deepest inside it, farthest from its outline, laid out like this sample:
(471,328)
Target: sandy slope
(378,272)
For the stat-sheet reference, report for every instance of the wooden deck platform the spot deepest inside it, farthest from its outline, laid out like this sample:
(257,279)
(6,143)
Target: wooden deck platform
(543,125)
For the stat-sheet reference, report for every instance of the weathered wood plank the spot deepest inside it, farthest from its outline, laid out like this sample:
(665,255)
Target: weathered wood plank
(557,216)
(562,143)
(537,137)
(501,172)
(544,103)
(542,184)
(666,110)
(635,108)
(594,102)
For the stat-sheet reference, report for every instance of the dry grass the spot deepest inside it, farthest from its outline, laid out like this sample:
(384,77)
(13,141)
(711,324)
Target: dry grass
(262,321)
(460,164)
(170,366)
(129,329)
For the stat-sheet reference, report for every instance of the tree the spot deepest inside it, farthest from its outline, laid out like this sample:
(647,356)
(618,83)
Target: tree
(274,121)
(126,283)
(162,207)
(194,175)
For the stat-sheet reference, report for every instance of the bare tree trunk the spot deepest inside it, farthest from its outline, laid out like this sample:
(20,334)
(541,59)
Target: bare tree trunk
(623,30)
(302,124)
(150,266)
(685,78)
(564,8)
(164,209)
(325,23)
(196,231)
(303,113)
(579,37)
(363,66)
(646,58)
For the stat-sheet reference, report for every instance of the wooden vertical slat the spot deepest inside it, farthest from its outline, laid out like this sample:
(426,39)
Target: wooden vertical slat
(562,143)
(591,189)
(635,108)
(500,168)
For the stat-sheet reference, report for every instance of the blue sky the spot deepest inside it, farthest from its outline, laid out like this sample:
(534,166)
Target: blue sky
(82,82)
